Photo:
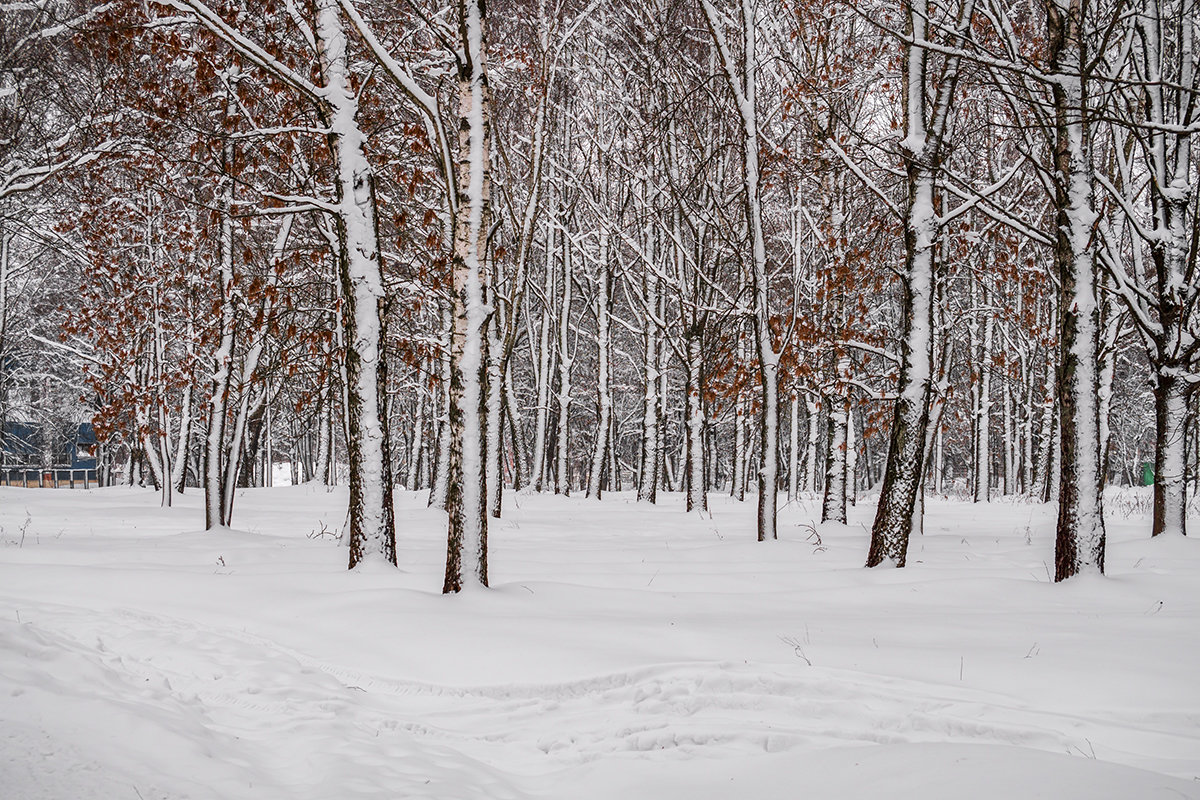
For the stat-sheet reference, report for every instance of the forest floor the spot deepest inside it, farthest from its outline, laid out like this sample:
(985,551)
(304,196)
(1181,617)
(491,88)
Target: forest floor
(625,652)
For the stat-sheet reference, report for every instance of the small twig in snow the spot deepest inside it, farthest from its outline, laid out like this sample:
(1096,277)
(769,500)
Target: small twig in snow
(797,648)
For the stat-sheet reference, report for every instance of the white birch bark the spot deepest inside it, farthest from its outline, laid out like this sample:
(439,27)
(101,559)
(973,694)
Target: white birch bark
(696,497)
(604,400)
(648,478)
(742,78)
(833,509)
(813,413)
(440,483)
(223,357)
(851,457)
(921,146)
(1080,537)
(983,414)
(545,346)
(1166,63)
(371,530)
(738,489)
(417,444)
(562,471)
(794,448)
(466,550)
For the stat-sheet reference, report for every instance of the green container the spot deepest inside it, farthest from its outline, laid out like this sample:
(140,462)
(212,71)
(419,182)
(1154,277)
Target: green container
(1147,473)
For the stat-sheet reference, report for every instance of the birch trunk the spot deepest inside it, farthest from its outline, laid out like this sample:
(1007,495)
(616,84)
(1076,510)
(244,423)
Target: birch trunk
(222,358)
(743,81)
(738,490)
(562,473)
(494,401)
(697,498)
(371,525)
(1080,536)
(921,148)
(983,416)
(440,481)
(794,448)
(418,441)
(833,509)
(648,477)
(466,549)
(603,381)
(1166,58)
(545,345)
(813,412)
(516,434)
(851,457)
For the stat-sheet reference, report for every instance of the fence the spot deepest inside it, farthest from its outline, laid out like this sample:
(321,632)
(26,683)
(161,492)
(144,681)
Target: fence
(53,478)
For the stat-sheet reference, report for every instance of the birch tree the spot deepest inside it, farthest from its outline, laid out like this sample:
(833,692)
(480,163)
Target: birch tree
(741,75)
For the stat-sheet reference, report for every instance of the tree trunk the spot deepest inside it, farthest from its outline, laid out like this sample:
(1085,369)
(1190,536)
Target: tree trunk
(794,448)
(440,481)
(466,549)
(851,457)
(1080,537)
(413,481)
(694,436)
(921,149)
(371,532)
(1170,453)
(603,384)
(833,509)
(223,357)
(648,477)
(813,412)
(494,467)
(738,490)
(545,366)
(983,416)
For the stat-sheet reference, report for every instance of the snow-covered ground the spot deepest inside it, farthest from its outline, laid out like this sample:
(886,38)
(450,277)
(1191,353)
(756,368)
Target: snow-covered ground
(625,652)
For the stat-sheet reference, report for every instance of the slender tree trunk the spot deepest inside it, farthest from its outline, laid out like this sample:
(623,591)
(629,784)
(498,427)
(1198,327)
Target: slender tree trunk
(743,82)
(833,509)
(223,357)
(440,481)
(494,467)
(603,386)
(650,444)
(544,378)
(562,477)
(1170,454)
(794,448)
(696,498)
(851,457)
(418,442)
(739,423)
(1080,538)
(813,412)
(1165,54)
(516,434)
(922,155)
(466,550)
(371,532)
(983,417)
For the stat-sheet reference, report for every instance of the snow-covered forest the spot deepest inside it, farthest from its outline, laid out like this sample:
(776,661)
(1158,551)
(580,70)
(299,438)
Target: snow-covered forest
(604,305)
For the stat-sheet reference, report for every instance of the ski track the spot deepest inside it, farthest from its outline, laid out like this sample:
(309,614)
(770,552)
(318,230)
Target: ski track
(351,734)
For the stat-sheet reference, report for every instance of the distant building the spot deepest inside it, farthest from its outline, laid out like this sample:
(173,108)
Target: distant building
(35,445)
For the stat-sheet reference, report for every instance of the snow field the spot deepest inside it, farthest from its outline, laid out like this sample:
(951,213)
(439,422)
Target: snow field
(624,651)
